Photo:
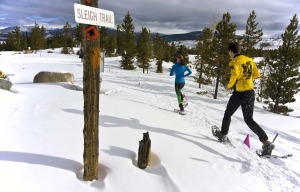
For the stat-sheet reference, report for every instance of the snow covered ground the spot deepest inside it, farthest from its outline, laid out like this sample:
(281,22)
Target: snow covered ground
(41,139)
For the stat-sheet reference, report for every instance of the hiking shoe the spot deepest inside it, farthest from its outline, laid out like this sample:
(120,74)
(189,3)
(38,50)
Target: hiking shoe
(182,112)
(181,107)
(267,148)
(222,138)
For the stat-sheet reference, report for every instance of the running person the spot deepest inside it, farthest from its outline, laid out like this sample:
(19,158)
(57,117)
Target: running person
(180,69)
(243,71)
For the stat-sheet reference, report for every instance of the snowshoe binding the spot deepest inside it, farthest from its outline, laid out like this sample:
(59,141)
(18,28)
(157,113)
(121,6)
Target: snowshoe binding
(221,138)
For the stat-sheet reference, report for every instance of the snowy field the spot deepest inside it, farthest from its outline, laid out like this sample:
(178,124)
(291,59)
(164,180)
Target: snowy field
(41,139)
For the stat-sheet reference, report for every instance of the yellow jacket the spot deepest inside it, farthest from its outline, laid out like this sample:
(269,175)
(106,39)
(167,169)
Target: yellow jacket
(243,70)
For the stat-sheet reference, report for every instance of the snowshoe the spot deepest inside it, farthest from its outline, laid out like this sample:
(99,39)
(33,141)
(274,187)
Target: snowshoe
(221,138)
(180,112)
(259,153)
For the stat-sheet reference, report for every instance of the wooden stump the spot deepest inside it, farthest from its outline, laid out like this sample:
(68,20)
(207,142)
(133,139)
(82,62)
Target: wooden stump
(144,151)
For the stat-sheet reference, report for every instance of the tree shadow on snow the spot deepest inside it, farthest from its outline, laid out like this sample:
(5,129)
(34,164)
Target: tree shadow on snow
(47,160)
(56,162)
(155,166)
(109,121)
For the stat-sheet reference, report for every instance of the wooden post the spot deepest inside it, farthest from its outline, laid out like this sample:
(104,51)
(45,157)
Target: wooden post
(144,151)
(91,90)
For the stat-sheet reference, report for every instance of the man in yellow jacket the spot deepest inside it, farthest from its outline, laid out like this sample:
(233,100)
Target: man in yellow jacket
(243,70)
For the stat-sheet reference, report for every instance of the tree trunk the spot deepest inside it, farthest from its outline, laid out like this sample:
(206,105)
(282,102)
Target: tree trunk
(144,151)
(217,83)
(200,75)
(276,104)
(91,90)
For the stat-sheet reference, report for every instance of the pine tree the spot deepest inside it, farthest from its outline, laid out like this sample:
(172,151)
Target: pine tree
(78,34)
(168,52)
(264,68)
(283,80)
(144,49)
(2,46)
(158,50)
(204,57)
(36,38)
(24,43)
(183,51)
(128,44)
(17,32)
(13,41)
(10,42)
(44,37)
(252,36)
(224,34)
(28,39)
(103,38)
(68,42)
(111,45)
(173,50)
(119,41)
(55,41)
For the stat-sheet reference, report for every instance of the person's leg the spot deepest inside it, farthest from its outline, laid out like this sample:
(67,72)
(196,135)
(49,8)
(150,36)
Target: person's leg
(178,92)
(232,105)
(183,97)
(178,87)
(247,108)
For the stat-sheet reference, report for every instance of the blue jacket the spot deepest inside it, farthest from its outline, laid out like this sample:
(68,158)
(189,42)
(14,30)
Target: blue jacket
(179,71)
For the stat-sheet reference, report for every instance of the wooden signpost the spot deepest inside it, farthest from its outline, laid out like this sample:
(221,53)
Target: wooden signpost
(88,13)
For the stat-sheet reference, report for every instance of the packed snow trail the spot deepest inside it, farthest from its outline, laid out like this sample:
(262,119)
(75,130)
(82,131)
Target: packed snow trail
(202,112)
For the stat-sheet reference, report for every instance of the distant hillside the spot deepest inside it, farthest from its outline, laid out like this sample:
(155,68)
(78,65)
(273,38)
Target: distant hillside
(183,37)
(53,31)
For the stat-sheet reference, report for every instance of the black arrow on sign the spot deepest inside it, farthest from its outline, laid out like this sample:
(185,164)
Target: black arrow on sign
(91,33)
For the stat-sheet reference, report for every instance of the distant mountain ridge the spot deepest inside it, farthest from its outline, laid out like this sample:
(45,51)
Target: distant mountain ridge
(183,37)
(188,39)
(53,31)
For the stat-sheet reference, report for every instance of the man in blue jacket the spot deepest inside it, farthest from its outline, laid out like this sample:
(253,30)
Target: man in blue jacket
(180,69)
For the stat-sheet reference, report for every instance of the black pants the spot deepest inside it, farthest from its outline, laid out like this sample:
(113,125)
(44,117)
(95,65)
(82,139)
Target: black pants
(246,100)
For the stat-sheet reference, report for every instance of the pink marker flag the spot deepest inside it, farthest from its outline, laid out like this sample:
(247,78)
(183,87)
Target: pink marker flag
(247,141)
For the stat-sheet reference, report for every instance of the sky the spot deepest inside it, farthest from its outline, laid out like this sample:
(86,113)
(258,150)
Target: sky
(41,146)
(167,17)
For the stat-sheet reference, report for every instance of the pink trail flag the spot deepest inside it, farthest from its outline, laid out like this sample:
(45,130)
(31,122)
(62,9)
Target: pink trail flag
(247,141)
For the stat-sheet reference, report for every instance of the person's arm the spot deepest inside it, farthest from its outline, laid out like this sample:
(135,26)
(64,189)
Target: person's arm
(172,71)
(256,73)
(189,72)
(233,75)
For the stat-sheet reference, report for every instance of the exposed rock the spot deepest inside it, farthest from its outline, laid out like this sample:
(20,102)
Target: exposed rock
(5,84)
(53,77)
